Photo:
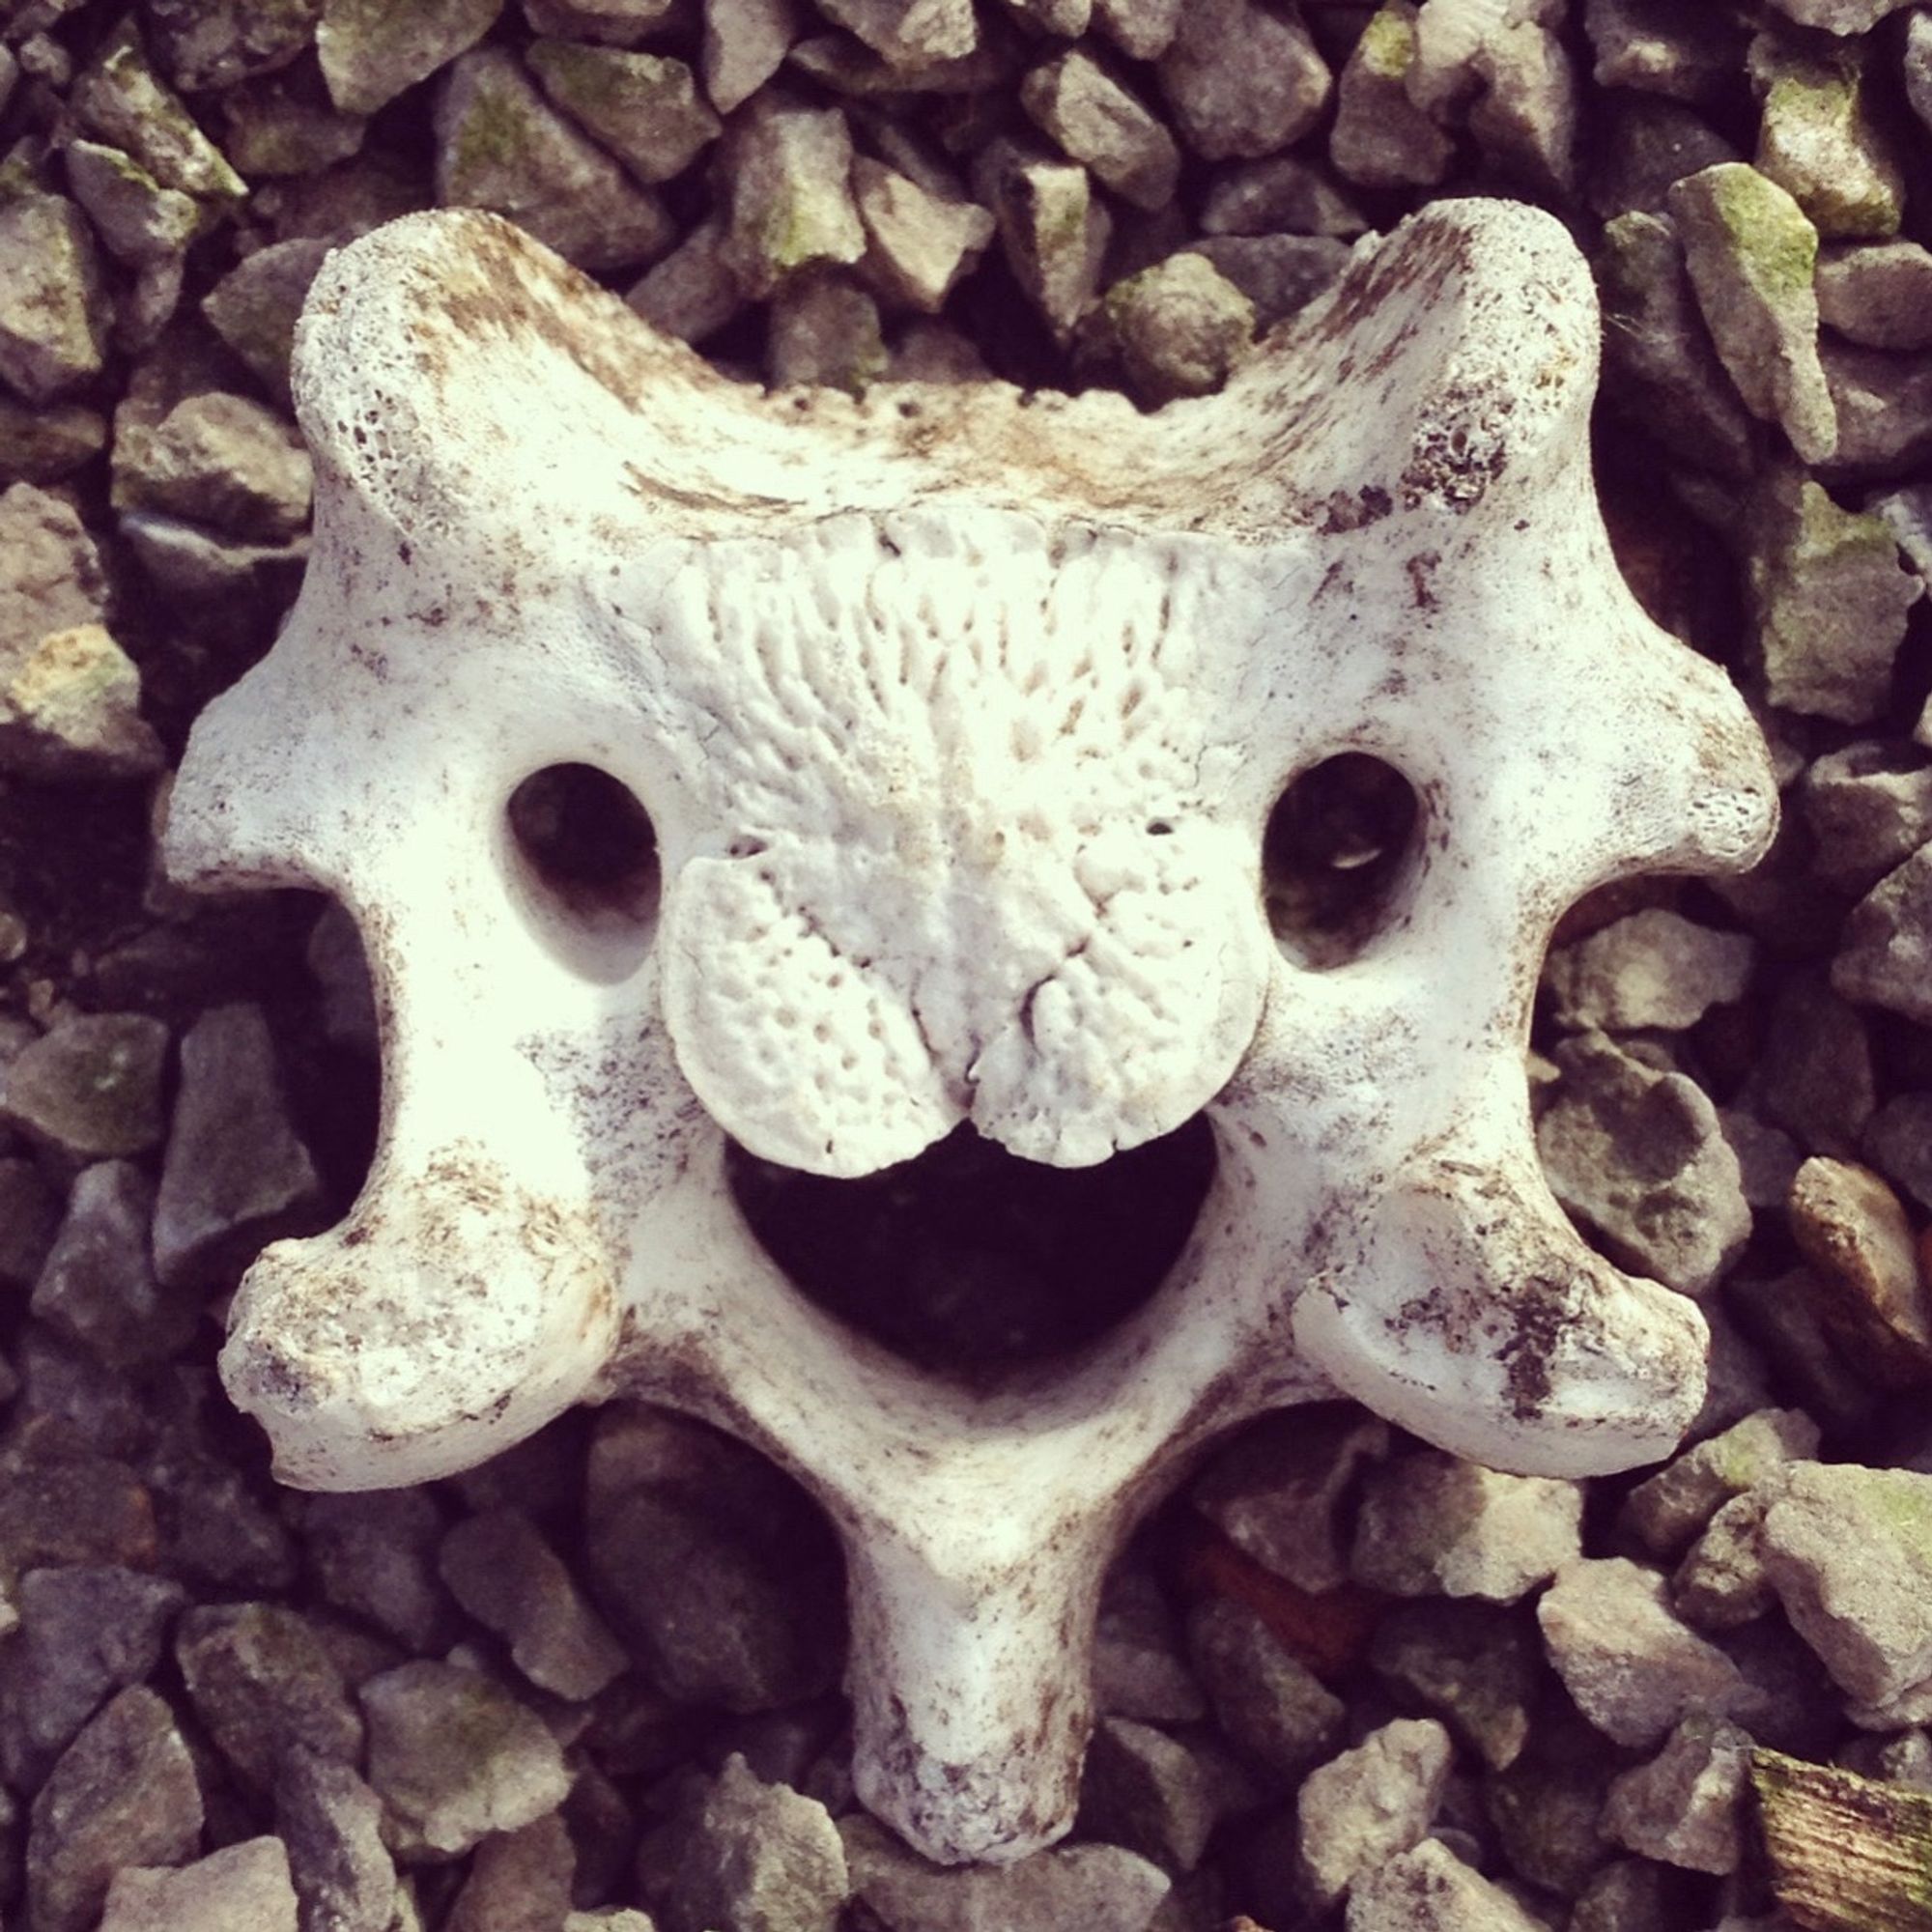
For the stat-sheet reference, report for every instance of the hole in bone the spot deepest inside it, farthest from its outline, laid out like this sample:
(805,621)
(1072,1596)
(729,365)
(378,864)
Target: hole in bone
(967,1261)
(587,856)
(1337,850)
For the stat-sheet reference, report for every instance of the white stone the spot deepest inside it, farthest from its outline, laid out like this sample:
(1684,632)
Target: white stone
(959,717)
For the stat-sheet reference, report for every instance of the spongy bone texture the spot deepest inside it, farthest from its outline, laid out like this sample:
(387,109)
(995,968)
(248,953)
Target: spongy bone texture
(959,715)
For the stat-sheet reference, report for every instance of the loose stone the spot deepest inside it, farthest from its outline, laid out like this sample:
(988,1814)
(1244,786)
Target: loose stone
(745,41)
(1685,1807)
(1839,17)
(920,243)
(141,221)
(42,445)
(501,146)
(823,329)
(1052,226)
(908,33)
(693,292)
(332,1825)
(70,709)
(1381,138)
(1369,1804)
(758,1855)
(619,24)
(643,107)
(1883,403)
(371,52)
(121,98)
(1429,1889)
(1817,139)
(123,1793)
(1148,1792)
(1096,121)
(1885,955)
(1673,1508)
(374,1555)
(1899,1141)
(1476,1666)
(455,1757)
(1880,295)
(1280,195)
(242,1888)
(1654,969)
(1870,807)
(1815,1077)
(287,127)
(1182,328)
(98,1284)
(790,167)
(1142,29)
(216,459)
(1633,1669)
(1432,1524)
(1750,251)
(52,309)
(1240,81)
(254,306)
(1268,1702)
(1138,1669)
(1279,275)
(518,1879)
(90,1089)
(1653,45)
(1849,1225)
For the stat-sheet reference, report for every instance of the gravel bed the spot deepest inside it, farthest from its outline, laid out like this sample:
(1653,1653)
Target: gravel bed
(1348,1681)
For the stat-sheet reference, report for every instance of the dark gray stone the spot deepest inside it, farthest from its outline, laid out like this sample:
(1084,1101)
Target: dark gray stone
(375,1556)
(332,1825)
(1478,1666)
(1266,1701)
(99,1286)
(90,1088)
(756,1856)
(242,1887)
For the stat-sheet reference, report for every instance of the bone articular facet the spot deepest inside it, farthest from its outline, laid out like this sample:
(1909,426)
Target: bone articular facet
(959,715)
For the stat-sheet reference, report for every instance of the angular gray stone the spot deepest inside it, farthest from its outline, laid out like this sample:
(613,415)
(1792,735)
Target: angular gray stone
(264,1684)
(617,23)
(518,1879)
(1280,275)
(51,575)
(1750,251)
(1369,1804)
(745,43)
(1148,1791)
(1096,121)
(1431,1890)
(141,221)
(99,1286)
(1070,1885)
(1672,1509)
(86,1630)
(1631,1667)
(646,108)
(214,45)
(332,1825)
(54,310)
(1879,295)
(1885,956)
(919,243)
(254,306)
(220,460)
(790,167)
(1138,1669)
(1142,29)
(372,50)
(1864,1255)
(757,1856)
(1815,1076)
(1849,1551)
(70,710)
(1277,1491)
(1899,1143)
(44,445)
(1241,81)
(242,1888)
(119,99)
(1640,1156)
(1645,145)
(1266,1701)
(1819,141)
(1652,969)
(374,1555)
(236,1172)
(455,1757)
(1661,48)
(1431,1525)
(1870,807)
(286,125)
(823,329)
(1838,16)
(1883,403)
(1182,328)
(500,145)
(908,33)
(1054,229)
(692,292)
(1686,1806)
(90,1088)
(123,1793)
(1477,1665)
(501,1571)
(1283,195)
(1381,138)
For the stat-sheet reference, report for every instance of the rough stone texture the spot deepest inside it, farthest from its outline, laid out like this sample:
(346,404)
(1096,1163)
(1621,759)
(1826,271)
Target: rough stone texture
(1750,251)
(745,41)
(908,33)
(757,1856)
(1276,1490)
(1182,328)
(1815,1076)
(118,97)
(98,1284)
(1659,48)
(375,1556)
(371,50)
(242,1888)
(1653,969)
(43,445)
(1633,1669)
(1639,1154)
(646,108)
(70,709)
(1431,1890)
(141,221)
(90,1088)
(1839,17)
(1899,1142)
(1880,296)
(52,310)
(1053,228)
(1270,1704)
(1870,807)
(919,242)
(1849,1551)
(1240,81)
(1283,195)
(1686,1806)
(501,146)
(216,459)
(123,1793)
(1829,594)
(455,1756)
(1280,275)
(617,23)
(1138,1668)
(1098,121)
(1368,1804)
(791,206)
(823,329)
(692,292)
(1433,1525)
(1672,1509)
(1148,1791)
(1885,958)
(519,1879)
(332,1825)
(264,1684)
(1142,29)
(1818,140)
(1883,403)
(1849,1225)
(51,576)
(501,1571)
(1074,1884)
(1477,1666)
(1381,138)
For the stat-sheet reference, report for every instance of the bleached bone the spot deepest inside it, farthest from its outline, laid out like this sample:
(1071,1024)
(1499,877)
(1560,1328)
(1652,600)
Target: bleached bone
(959,715)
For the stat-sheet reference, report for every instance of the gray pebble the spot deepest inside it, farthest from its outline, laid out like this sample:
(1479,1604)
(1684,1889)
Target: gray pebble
(1370,1803)
(518,1879)
(1098,121)
(1149,1792)
(331,1823)
(1899,1142)
(1429,1889)
(790,167)
(372,51)
(1241,82)
(220,460)
(1652,969)
(1381,138)
(1885,958)
(1672,1509)
(745,43)
(1265,1701)
(1686,1806)
(98,1284)
(242,1888)
(1870,807)
(1475,1666)
(1879,295)
(757,1856)
(375,1555)
(646,108)
(90,1088)
(54,310)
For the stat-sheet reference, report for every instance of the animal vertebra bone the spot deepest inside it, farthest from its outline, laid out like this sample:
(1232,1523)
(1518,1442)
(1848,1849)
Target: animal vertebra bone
(959,716)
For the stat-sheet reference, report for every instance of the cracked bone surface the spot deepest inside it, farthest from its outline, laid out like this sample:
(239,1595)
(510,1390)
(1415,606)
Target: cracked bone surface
(959,716)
